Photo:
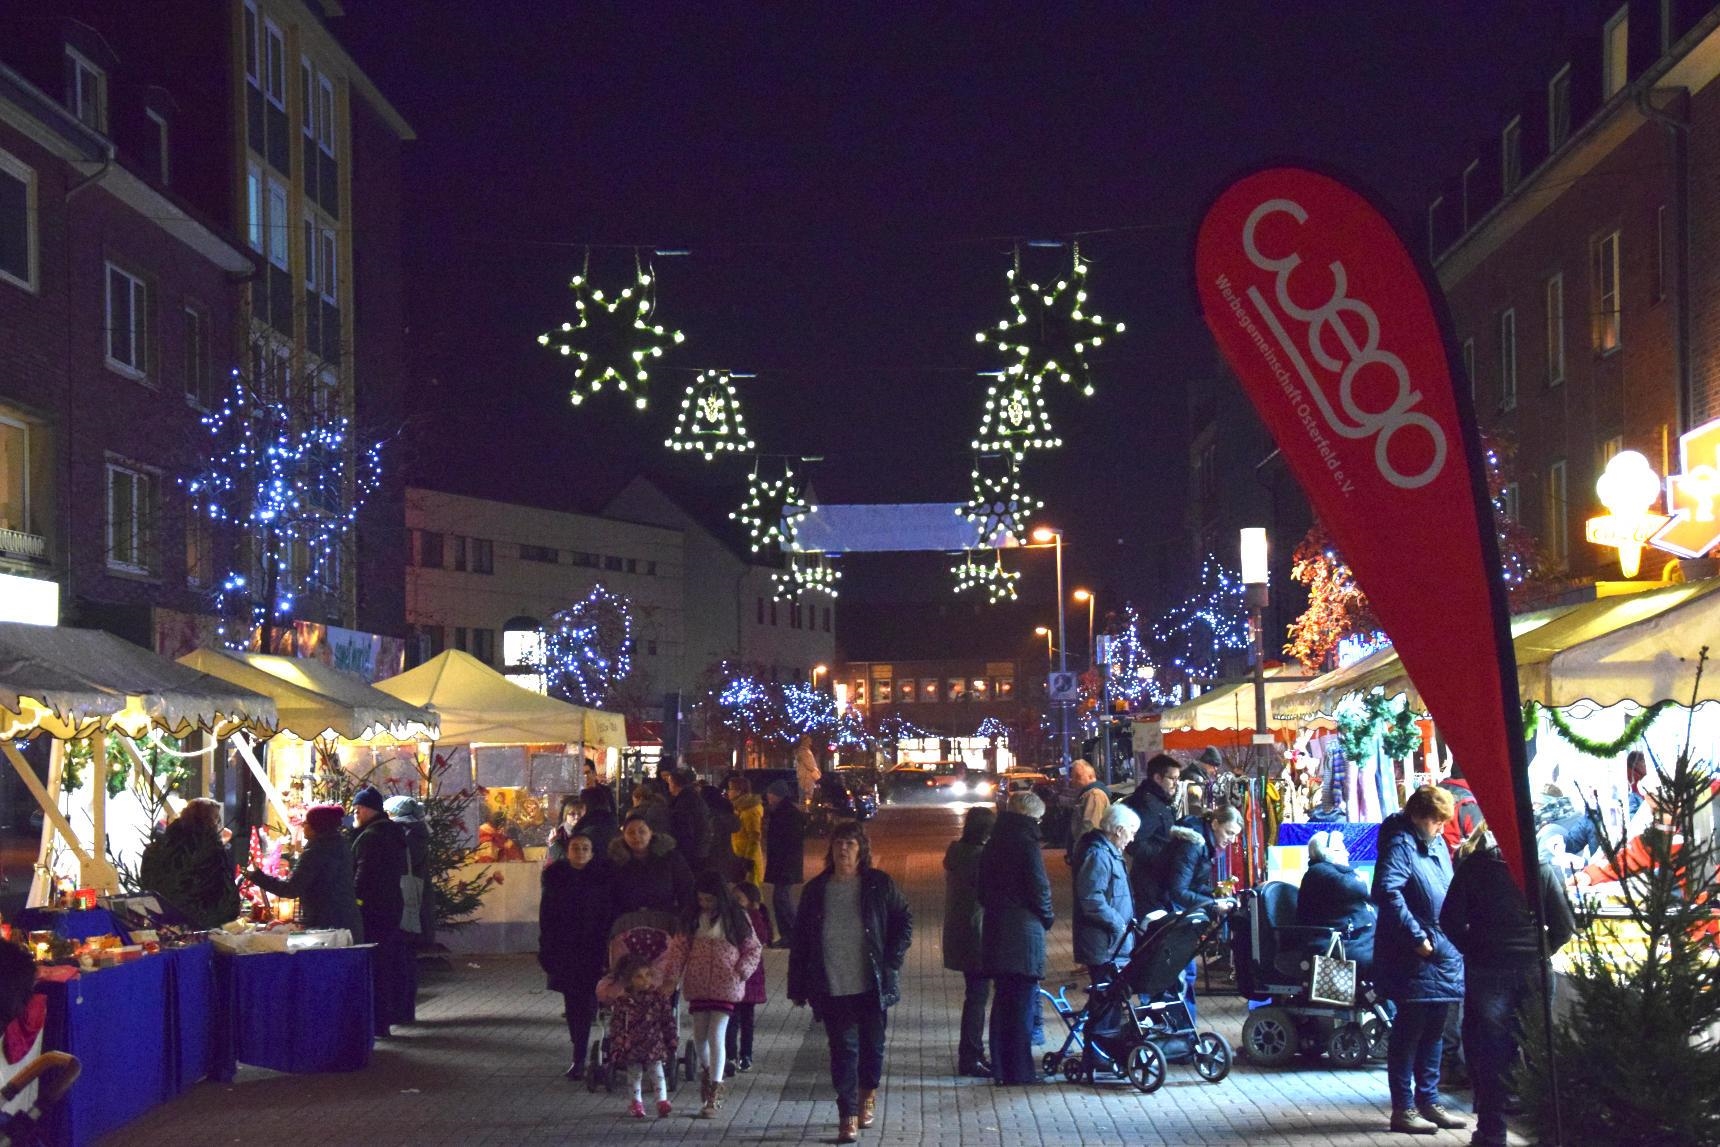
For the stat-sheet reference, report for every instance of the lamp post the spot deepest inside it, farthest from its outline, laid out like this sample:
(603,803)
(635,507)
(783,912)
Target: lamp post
(1256,596)
(1041,631)
(817,672)
(1091,599)
(1044,535)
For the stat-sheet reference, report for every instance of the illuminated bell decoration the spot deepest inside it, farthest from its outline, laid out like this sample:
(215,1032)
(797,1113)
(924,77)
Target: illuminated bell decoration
(1015,420)
(1629,488)
(1052,329)
(997,582)
(999,507)
(771,509)
(710,419)
(613,338)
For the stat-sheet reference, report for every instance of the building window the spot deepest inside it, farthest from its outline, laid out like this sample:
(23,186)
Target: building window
(274,65)
(1558,540)
(881,690)
(325,114)
(1556,330)
(460,638)
(773,612)
(585,560)
(1003,688)
(650,647)
(15,476)
(254,207)
(1610,449)
(1559,109)
(127,323)
(278,229)
(545,554)
(794,615)
(17,222)
(1433,227)
(131,510)
(1511,156)
(1468,180)
(827,619)
(1510,502)
(328,276)
(981,689)
(929,690)
(955,689)
(86,91)
(1469,364)
(613,564)
(1615,53)
(197,381)
(459,557)
(1508,360)
(632,565)
(199,552)
(484,645)
(650,569)
(430,549)
(1660,253)
(252,70)
(905,691)
(163,154)
(1606,293)
(483,556)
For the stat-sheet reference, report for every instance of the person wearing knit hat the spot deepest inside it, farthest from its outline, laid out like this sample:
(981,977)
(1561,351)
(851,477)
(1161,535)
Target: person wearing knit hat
(379,863)
(322,879)
(367,797)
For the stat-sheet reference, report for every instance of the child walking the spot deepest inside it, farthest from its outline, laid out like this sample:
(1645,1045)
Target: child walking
(740,1035)
(641,1028)
(723,953)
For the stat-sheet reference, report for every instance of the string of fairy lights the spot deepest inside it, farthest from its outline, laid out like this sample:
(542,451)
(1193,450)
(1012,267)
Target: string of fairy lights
(615,340)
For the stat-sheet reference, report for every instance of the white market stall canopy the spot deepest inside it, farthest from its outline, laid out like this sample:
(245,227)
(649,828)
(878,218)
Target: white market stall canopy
(1231,706)
(313,701)
(71,683)
(1639,647)
(477,705)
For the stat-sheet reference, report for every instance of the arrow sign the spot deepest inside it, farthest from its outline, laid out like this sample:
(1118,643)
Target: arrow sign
(1694,495)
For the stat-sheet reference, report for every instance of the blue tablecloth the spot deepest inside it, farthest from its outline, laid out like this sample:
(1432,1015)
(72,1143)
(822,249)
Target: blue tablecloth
(306,1011)
(1361,839)
(114,1021)
(190,1018)
(73,924)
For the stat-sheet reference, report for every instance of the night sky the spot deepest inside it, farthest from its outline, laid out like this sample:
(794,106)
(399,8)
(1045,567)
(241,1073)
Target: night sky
(851,181)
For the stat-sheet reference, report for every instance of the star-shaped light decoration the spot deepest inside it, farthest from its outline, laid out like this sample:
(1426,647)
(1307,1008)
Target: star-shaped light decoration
(710,420)
(1052,329)
(998,506)
(997,582)
(771,509)
(613,338)
(1015,419)
(811,573)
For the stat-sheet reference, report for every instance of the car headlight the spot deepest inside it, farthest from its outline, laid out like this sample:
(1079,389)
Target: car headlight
(958,788)
(982,789)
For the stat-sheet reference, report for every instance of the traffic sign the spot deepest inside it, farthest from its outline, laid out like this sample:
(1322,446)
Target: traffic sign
(1065,686)
(1691,495)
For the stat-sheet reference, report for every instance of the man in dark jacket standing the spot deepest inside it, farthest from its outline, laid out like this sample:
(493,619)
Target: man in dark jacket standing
(689,819)
(378,863)
(784,856)
(1486,916)
(1154,801)
(1016,896)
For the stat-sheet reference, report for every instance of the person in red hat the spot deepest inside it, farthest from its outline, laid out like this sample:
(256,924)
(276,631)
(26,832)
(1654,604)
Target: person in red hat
(322,880)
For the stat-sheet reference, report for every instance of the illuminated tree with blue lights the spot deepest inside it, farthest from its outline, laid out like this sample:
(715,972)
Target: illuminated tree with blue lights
(587,650)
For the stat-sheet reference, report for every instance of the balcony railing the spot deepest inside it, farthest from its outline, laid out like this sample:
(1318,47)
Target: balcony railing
(16,543)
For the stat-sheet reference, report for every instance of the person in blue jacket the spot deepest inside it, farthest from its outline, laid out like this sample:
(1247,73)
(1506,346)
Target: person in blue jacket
(1104,907)
(1416,966)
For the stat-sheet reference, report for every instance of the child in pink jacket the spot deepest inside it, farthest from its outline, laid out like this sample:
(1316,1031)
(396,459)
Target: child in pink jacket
(722,954)
(740,1037)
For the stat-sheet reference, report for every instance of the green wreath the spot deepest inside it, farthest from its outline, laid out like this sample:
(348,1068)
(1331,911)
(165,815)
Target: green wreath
(1398,734)
(1633,728)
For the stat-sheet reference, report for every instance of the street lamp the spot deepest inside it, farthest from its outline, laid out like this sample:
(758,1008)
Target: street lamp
(1256,596)
(1041,631)
(1092,600)
(1044,535)
(817,671)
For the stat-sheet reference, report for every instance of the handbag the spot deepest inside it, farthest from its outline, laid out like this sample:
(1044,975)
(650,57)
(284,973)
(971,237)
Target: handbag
(412,900)
(1332,977)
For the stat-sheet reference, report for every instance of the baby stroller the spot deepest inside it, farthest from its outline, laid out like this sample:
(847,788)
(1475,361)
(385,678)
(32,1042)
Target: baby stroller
(1115,1033)
(54,1073)
(1274,959)
(655,936)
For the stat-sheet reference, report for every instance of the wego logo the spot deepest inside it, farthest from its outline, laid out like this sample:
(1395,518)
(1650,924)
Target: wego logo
(1337,321)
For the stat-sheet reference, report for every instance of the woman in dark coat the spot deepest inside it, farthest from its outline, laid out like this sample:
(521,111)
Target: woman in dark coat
(322,880)
(573,936)
(189,868)
(784,854)
(963,951)
(850,939)
(1334,895)
(649,870)
(1185,876)
(1415,965)
(1016,896)
(599,821)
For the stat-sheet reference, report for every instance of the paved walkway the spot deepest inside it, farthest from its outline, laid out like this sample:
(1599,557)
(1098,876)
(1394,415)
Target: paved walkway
(484,1063)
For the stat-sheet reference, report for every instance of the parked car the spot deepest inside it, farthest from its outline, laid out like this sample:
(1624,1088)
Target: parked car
(841,798)
(939,780)
(1054,825)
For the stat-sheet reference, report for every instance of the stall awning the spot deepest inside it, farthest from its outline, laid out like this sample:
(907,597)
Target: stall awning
(478,705)
(1231,706)
(72,682)
(313,700)
(605,730)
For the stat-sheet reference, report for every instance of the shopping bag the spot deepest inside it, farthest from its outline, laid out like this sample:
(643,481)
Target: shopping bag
(412,900)
(1332,978)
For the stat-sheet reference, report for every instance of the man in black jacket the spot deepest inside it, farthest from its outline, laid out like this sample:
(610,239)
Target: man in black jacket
(689,819)
(378,863)
(1486,917)
(784,855)
(1154,801)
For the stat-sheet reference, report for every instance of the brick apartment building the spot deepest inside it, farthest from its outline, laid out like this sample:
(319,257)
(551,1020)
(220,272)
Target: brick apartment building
(1579,256)
(274,160)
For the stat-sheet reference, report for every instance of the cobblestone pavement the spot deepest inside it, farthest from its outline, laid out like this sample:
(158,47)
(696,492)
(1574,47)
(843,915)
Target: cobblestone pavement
(483,1066)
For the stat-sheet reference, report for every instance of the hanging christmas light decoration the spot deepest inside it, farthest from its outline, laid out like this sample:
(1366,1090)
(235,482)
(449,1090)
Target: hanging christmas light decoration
(1015,419)
(613,338)
(998,507)
(710,420)
(998,583)
(1052,329)
(771,509)
(811,572)
(587,649)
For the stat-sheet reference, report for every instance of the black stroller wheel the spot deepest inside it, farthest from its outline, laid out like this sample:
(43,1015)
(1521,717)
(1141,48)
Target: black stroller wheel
(1378,1035)
(1050,1063)
(1269,1036)
(1145,1068)
(1348,1046)
(1212,1056)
